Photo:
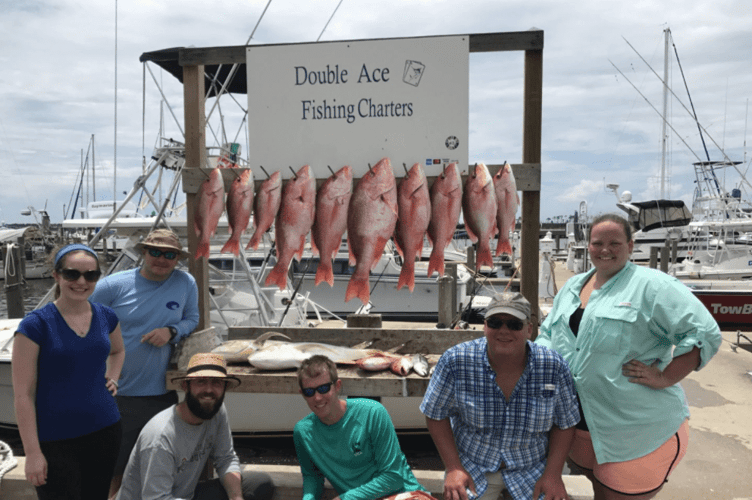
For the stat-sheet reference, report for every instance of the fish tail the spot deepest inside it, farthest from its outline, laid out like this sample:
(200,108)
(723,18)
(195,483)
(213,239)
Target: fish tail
(436,262)
(232,245)
(325,273)
(407,276)
(484,257)
(254,242)
(277,276)
(203,249)
(358,287)
(503,247)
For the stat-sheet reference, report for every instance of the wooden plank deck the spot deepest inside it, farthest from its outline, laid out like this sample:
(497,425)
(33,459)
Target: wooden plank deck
(429,342)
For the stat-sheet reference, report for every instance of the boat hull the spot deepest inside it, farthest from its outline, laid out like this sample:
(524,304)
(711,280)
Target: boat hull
(732,309)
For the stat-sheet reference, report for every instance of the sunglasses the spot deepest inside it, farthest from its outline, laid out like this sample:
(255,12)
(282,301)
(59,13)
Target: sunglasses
(74,274)
(168,254)
(513,324)
(322,389)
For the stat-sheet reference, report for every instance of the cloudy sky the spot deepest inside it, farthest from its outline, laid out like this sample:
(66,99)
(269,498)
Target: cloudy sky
(57,87)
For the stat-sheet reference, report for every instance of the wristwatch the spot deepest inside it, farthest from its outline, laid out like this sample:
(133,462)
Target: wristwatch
(173,332)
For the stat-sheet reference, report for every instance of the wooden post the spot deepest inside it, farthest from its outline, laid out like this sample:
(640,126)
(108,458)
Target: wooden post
(664,259)
(451,270)
(22,261)
(446,283)
(653,258)
(531,153)
(364,321)
(195,157)
(674,250)
(13,280)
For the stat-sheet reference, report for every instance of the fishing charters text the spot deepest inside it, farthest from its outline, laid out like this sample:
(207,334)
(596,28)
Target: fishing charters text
(365,107)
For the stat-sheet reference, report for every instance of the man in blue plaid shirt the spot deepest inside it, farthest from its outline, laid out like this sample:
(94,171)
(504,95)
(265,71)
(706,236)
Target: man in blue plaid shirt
(502,410)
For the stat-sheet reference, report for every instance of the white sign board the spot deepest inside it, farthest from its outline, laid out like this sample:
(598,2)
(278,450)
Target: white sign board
(353,103)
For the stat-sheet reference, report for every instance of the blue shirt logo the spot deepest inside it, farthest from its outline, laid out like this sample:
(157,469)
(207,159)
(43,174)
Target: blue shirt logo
(172,305)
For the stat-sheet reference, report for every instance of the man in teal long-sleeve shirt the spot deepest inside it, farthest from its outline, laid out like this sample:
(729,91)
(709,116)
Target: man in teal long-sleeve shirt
(352,442)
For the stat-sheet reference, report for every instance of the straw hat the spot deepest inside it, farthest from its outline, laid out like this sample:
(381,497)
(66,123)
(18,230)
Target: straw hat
(208,365)
(163,239)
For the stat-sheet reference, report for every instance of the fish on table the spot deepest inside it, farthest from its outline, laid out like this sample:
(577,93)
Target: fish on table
(268,353)
(210,203)
(507,201)
(271,354)
(370,223)
(414,215)
(239,205)
(330,223)
(293,223)
(479,210)
(446,203)
(265,208)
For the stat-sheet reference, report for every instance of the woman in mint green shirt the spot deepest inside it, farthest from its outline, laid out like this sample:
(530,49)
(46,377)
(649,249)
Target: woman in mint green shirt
(629,334)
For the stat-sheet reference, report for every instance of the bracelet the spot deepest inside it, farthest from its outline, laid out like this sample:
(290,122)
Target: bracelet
(114,382)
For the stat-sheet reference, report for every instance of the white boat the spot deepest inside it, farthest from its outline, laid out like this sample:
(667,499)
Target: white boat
(35,252)
(323,300)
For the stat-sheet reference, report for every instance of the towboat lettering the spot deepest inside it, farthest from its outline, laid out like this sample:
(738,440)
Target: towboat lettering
(721,309)
(326,76)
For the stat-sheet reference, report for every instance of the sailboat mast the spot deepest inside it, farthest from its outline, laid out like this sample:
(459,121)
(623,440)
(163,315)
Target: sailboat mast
(667,33)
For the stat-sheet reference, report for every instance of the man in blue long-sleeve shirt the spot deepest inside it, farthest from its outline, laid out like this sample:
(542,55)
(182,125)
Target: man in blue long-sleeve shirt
(157,306)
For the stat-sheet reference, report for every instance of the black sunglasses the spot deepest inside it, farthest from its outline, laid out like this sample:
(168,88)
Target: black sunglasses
(74,274)
(322,389)
(513,324)
(168,254)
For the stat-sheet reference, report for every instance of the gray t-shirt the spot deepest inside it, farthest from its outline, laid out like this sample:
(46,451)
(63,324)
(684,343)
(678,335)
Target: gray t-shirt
(170,455)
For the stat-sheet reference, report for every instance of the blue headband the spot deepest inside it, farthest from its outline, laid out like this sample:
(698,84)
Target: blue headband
(72,248)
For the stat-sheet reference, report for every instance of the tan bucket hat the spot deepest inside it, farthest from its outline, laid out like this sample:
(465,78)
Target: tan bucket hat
(163,239)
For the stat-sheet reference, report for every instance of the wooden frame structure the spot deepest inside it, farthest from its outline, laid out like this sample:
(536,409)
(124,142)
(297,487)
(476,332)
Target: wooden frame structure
(528,173)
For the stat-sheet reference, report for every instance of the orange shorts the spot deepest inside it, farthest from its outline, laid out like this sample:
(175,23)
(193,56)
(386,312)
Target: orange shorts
(634,477)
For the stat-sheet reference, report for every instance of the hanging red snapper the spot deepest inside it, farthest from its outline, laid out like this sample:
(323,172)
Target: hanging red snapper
(507,201)
(332,201)
(266,206)
(479,211)
(446,203)
(370,223)
(294,221)
(414,205)
(210,203)
(239,204)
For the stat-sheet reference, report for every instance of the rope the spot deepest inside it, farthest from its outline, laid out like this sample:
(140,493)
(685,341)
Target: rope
(10,263)
(7,460)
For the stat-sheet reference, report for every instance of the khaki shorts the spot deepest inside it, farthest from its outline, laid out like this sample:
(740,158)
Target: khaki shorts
(634,477)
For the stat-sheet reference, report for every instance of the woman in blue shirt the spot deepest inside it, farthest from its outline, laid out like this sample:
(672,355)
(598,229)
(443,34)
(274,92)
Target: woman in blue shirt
(67,358)
(629,334)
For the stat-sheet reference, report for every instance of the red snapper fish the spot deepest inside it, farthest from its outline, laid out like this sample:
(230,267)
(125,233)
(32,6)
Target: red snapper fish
(479,209)
(446,203)
(266,206)
(239,204)
(414,205)
(294,221)
(370,223)
(507,201)
(210,203)
(332,202)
